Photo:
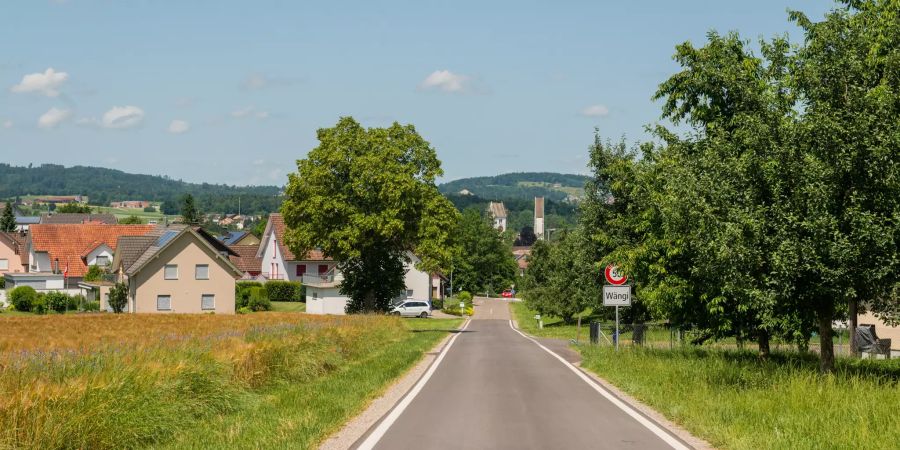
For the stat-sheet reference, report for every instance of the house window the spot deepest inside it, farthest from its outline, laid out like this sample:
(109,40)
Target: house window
(171,272)
(323,269)
(409,293)
(103,260)
(207,302)
(315,295)
(301,270)
(201,272)
(4,264)
(163,302)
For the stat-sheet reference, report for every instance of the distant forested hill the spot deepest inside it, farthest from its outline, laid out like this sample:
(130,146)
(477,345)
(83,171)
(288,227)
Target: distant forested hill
(517,192)
(103,185)
(522,185)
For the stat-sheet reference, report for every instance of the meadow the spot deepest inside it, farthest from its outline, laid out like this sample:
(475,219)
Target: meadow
(114,381)
(735,400)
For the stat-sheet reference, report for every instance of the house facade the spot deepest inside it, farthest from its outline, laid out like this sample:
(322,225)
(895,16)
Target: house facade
(176,269)
(13,256)
(278,262)
(497,211)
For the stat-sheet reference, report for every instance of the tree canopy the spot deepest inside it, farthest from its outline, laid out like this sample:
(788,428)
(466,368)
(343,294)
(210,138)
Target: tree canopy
(366,197)
(778,211)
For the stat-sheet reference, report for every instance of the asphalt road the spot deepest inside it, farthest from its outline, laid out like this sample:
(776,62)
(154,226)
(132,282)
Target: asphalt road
(496,389)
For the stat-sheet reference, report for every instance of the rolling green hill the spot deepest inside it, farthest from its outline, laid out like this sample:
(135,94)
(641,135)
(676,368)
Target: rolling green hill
(521,185)
(103,185)
(517,192)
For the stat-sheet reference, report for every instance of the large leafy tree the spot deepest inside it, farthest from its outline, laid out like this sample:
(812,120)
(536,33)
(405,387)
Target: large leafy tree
(8,219)
(847,79)
(366,197)
(483,259)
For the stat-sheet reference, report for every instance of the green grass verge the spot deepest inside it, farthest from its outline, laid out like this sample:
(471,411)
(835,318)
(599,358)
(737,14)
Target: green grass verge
(288,306)
(302,414)
(655,335)
(735,400)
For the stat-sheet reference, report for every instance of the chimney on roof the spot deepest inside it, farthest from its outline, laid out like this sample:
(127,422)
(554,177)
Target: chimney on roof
(539,217)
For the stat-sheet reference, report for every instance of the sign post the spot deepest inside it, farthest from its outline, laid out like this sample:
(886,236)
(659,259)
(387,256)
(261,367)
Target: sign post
(616,293)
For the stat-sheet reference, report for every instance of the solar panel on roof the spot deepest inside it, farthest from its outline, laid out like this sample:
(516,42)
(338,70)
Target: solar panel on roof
(165,238)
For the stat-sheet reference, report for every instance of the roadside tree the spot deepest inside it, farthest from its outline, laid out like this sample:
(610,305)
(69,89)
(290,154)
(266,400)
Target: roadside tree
(365,197)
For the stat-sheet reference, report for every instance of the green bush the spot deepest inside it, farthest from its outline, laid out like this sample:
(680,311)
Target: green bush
(244,310)
(39,306)
(2,282)
(465,296)
(259,300)
(22,298)
(242,292)
(284,291)
(92,306)
(77,301)
(94,273)
(57,301)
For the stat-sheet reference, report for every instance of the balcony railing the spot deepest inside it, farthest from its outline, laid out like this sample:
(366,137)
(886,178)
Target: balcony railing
(270,276)
(324,279)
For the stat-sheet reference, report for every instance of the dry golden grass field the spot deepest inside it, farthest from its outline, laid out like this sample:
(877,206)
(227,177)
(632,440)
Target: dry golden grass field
(121,380)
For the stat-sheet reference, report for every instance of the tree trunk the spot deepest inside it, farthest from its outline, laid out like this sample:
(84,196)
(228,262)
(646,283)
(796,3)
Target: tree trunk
(854,311)
(763,340)
(826,346)
(369,305)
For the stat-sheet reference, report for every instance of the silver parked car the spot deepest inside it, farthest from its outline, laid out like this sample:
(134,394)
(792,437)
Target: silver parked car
(412,308)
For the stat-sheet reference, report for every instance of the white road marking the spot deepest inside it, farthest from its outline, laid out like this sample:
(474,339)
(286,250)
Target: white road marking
(674,443)
(392,417)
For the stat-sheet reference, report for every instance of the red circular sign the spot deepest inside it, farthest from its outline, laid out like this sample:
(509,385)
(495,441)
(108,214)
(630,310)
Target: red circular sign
(613,276)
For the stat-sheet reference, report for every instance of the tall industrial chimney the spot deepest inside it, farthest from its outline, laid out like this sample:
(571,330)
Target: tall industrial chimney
(539,217)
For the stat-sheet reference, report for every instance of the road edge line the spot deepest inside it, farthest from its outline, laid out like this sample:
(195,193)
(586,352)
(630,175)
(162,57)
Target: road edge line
(667,437)
(385,424)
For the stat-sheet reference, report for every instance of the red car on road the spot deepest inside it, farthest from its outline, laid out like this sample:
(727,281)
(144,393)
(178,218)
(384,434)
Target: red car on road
(509,293)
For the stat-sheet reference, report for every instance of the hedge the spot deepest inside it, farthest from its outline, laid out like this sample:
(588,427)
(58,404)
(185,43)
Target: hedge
(284,291)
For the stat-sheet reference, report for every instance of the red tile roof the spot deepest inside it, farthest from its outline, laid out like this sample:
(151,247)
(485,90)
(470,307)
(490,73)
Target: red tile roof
(276,221)
(246,259)
(68,242)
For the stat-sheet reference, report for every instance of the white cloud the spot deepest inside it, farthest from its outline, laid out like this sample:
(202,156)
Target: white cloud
(7,124)
(249,111)
(179,126)
(255,82)
(595,111)
(47,83)
(54,117)
(446,81)
(121,117)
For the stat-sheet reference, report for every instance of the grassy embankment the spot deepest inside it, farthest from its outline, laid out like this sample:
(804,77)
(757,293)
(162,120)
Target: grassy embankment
(250,381)
(735,400)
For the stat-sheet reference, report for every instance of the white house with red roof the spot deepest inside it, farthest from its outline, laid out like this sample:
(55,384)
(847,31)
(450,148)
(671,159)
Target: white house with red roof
(320,275)
(280,263)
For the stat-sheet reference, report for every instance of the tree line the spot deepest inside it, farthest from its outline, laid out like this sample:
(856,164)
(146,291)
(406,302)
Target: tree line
(103,186)
(778,211)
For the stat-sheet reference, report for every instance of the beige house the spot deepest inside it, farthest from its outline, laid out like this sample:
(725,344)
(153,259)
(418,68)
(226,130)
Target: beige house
(176,269)
(13,257)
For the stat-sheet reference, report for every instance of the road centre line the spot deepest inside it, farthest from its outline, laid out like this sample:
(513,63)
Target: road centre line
(655,429)
(392,417)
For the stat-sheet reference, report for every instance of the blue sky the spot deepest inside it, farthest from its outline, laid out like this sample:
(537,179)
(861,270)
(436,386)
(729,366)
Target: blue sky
(233,92)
